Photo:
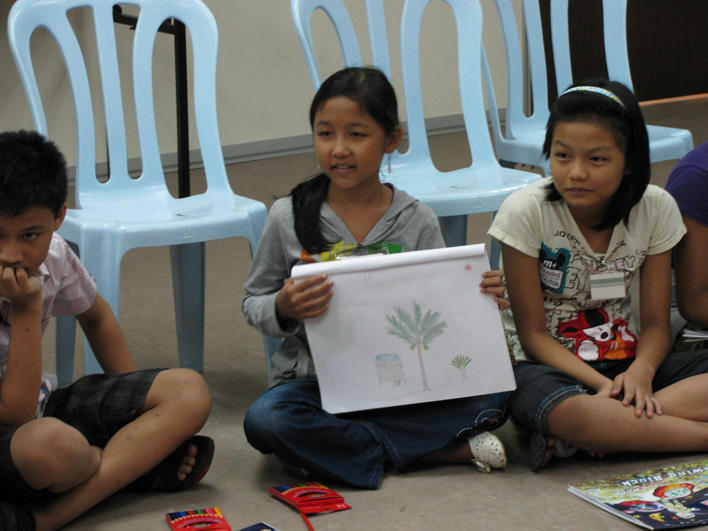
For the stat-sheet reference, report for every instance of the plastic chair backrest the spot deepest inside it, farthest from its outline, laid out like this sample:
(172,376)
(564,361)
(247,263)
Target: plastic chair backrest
(560,37)
(468,18)
(302,11)
(27,15)
(665,143)
(516,116)
(614,22)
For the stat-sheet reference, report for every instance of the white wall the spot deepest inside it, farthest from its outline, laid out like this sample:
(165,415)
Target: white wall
(263,85)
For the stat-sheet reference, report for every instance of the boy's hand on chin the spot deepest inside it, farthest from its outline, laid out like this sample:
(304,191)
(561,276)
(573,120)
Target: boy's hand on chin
(19,286)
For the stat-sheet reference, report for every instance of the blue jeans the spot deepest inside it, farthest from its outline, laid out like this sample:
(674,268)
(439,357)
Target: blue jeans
(288,420)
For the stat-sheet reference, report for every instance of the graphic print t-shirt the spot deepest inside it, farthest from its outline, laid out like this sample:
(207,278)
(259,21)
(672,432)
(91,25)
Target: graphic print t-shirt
(591,329)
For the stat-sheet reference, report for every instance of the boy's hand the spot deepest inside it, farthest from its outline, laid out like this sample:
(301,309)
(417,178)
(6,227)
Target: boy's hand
(493,284)
(19,286)
(305,299)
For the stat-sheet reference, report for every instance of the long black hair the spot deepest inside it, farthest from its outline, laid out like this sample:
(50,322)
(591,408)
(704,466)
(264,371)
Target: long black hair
(368,87)
(623,118)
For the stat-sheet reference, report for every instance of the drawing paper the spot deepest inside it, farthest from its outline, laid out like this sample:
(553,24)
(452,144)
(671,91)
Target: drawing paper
(407,328)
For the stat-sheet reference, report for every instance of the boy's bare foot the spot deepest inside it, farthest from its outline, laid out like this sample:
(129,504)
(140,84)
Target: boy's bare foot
(188,462)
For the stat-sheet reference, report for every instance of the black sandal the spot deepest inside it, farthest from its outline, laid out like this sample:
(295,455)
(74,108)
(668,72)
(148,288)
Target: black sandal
(540,454)
(16,517)
(164,475)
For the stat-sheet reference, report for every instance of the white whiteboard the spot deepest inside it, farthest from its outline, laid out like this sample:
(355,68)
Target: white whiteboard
(407,328)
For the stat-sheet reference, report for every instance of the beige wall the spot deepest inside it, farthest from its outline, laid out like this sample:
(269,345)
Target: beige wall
(263,85)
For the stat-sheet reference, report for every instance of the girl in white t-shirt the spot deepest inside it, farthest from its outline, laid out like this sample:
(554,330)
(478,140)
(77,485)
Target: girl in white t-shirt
(587,259)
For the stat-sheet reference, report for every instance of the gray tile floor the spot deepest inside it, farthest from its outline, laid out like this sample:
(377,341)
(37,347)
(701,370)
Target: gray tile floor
(448,497)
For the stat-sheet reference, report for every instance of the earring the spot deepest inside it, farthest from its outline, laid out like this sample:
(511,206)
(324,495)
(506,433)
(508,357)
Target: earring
(389,163)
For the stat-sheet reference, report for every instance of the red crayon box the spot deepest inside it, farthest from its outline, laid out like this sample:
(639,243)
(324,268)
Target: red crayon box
(198,519)
(310,497)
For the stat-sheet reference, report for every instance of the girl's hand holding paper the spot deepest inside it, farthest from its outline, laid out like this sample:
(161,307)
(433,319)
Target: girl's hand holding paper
(305,299)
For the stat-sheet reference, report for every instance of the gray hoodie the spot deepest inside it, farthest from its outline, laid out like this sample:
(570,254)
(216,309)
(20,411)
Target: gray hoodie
(406,222)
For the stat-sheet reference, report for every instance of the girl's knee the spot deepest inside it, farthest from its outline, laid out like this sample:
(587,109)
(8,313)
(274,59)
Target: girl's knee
(568,419)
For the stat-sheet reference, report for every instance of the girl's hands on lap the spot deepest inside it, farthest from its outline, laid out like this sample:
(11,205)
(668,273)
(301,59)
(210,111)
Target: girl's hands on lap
(635,383)
(303,300)
(493,284)
(608,389)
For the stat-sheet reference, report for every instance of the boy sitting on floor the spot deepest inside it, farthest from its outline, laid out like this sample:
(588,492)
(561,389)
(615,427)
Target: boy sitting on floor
(64,450)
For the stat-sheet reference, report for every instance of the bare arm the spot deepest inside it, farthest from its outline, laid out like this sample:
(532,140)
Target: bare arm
(106,338)
(655,337)
(526,298)
(19,388)
(692,272)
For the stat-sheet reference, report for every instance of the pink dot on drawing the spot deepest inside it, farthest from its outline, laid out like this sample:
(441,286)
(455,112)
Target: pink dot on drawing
(468,267)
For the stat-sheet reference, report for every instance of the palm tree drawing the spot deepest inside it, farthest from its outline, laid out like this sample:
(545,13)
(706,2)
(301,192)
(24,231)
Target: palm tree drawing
(417,330)
(461,362)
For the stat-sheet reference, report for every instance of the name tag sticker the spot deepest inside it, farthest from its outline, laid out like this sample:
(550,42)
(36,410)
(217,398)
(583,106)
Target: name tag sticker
(607,286)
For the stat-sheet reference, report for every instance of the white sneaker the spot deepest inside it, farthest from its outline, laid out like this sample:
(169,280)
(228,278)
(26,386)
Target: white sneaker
(487,451)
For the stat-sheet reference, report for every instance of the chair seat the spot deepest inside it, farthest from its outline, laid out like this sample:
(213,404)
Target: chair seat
(164,221)
(524,147)
(463,191)
(668,143)
(132,215)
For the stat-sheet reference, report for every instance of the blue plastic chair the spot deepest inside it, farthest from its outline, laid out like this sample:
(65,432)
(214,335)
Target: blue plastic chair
(522,136)
(665,143)
(302,11)
(480,187)
(124,213)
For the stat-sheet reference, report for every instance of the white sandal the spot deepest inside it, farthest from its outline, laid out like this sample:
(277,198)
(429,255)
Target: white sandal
(487,451)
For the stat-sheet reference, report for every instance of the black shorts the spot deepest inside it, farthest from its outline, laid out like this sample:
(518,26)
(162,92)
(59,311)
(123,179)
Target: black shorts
(540,388)
(97,405)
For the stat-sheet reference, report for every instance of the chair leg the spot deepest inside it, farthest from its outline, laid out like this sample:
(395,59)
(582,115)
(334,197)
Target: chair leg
(188,278)
(102,258)
(65,340)
(454,230)
(271,345)
(65,343)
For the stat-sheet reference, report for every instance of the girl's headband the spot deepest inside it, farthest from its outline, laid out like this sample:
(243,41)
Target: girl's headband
(596,90)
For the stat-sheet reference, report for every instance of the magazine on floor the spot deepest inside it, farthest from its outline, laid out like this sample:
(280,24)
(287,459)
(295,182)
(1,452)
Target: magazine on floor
(695,335)
(663,498)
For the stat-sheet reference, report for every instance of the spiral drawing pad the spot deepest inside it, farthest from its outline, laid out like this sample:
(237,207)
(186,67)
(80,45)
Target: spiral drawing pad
(407,328)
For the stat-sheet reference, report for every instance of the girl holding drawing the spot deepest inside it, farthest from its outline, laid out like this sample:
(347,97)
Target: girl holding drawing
(587,259)
(347,209)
